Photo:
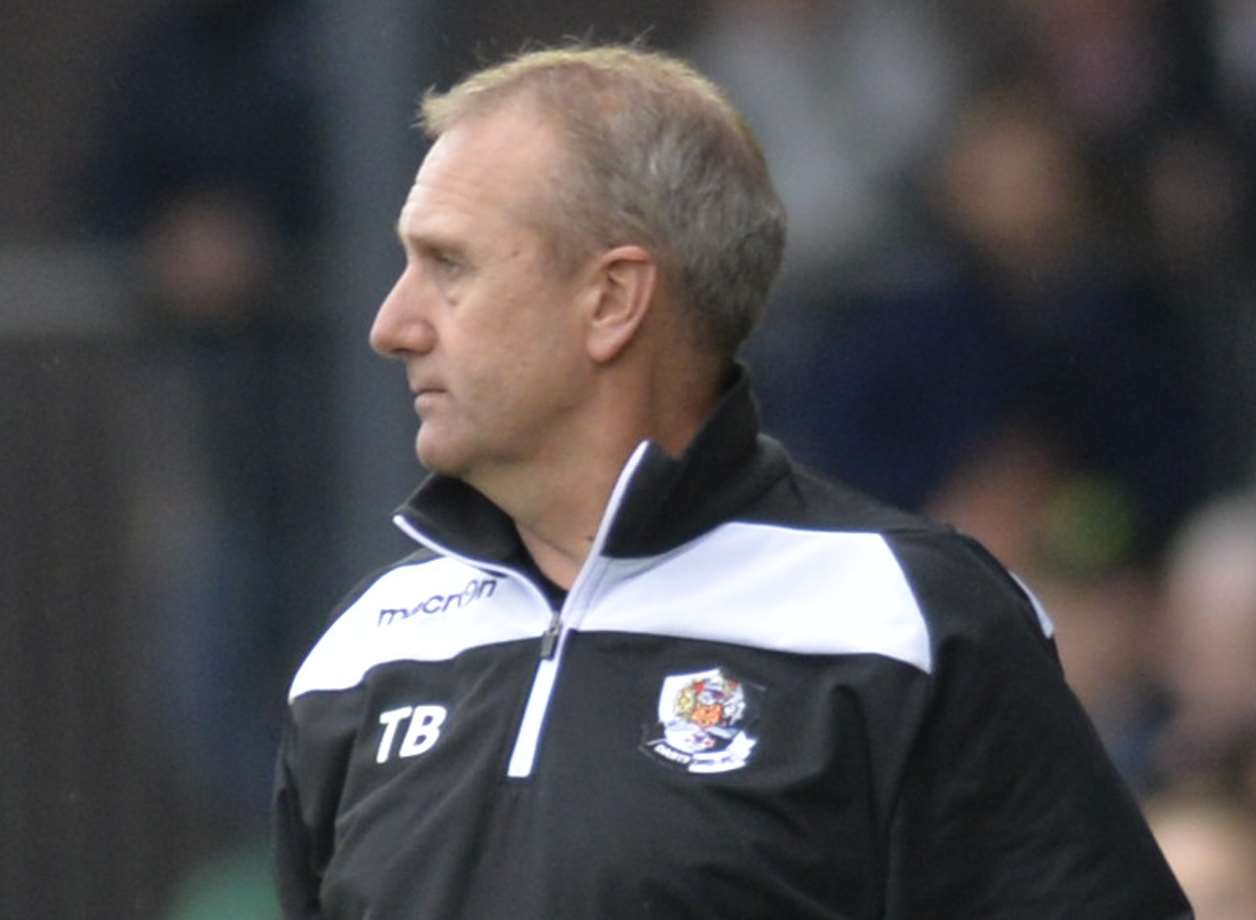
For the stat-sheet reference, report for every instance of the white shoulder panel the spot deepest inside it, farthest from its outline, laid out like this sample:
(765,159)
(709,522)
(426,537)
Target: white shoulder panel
(428,611)
(772,587)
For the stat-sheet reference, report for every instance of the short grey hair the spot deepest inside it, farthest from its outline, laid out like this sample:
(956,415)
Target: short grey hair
(659,158)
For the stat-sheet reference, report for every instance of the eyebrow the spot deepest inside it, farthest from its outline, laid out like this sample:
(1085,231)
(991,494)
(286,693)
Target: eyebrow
(424,239)
(427,243)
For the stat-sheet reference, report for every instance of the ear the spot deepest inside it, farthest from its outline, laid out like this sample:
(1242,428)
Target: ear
(624,282)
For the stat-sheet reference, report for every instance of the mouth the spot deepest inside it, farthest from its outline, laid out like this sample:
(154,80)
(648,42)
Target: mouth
(425,396)
(424,388)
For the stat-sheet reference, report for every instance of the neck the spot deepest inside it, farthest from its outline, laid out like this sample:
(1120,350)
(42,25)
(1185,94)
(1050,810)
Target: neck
(559,518)
(558,501)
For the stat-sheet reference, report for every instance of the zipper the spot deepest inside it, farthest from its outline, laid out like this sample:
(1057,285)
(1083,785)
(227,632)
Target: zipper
(523,754)
(554,638)
(549,638)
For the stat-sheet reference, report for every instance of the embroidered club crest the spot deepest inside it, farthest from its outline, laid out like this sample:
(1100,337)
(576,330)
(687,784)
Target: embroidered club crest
(702,722)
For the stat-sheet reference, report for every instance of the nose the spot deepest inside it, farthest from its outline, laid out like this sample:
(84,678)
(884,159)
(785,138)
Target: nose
(401,326)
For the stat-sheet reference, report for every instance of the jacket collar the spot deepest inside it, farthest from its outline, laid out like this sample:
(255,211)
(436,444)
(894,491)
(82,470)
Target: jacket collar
(668,500)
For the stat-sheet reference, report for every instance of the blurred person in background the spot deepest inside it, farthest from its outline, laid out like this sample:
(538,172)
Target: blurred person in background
(1117,69)
(1156,99)
(1208,650)
(1195,197)
(959,282)
(1210,841)
(208,170)
(641,663)
(1091,353)
(848,98)
(1035,350)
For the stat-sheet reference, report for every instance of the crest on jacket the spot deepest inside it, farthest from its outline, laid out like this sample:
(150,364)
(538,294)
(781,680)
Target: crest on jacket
(703,720)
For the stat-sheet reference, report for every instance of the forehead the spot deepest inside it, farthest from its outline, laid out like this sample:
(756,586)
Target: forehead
(494,171)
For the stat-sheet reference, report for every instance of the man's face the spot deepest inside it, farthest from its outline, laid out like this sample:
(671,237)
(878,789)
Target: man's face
(482,317)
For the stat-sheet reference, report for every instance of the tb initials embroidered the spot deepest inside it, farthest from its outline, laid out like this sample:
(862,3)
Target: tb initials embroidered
(421,732)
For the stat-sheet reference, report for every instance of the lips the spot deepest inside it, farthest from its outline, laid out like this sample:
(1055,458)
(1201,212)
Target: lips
(424,388)
(424,397)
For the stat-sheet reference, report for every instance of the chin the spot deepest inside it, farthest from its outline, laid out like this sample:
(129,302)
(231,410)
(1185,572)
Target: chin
(438,457)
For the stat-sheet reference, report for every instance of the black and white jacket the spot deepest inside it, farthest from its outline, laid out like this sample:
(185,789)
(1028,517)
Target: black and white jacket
(765,696)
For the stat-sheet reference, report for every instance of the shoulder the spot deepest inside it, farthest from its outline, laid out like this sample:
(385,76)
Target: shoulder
(956,587)
(801,497)
(408,610)
(967,593)
(773,586)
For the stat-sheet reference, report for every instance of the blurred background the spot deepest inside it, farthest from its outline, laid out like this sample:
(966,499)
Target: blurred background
(1019,295)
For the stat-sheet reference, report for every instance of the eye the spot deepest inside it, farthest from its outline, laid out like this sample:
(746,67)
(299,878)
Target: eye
(445,262)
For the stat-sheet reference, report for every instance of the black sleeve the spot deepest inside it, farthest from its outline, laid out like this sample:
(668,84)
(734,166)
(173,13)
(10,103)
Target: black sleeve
(295,861)
(1009,807)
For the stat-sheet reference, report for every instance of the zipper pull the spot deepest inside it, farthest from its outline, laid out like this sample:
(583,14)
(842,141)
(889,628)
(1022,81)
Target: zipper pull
(549,638)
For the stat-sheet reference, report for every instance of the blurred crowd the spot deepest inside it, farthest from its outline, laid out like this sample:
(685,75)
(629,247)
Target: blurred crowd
(1018,296)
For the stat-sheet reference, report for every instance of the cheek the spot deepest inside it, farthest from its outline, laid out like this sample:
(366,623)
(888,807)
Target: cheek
(537,353)
(521,345)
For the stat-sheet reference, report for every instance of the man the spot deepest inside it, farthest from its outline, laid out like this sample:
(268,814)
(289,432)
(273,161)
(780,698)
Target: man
(642,665)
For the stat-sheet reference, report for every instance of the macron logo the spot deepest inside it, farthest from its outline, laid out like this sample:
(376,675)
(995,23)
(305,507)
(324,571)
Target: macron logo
(438,603)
